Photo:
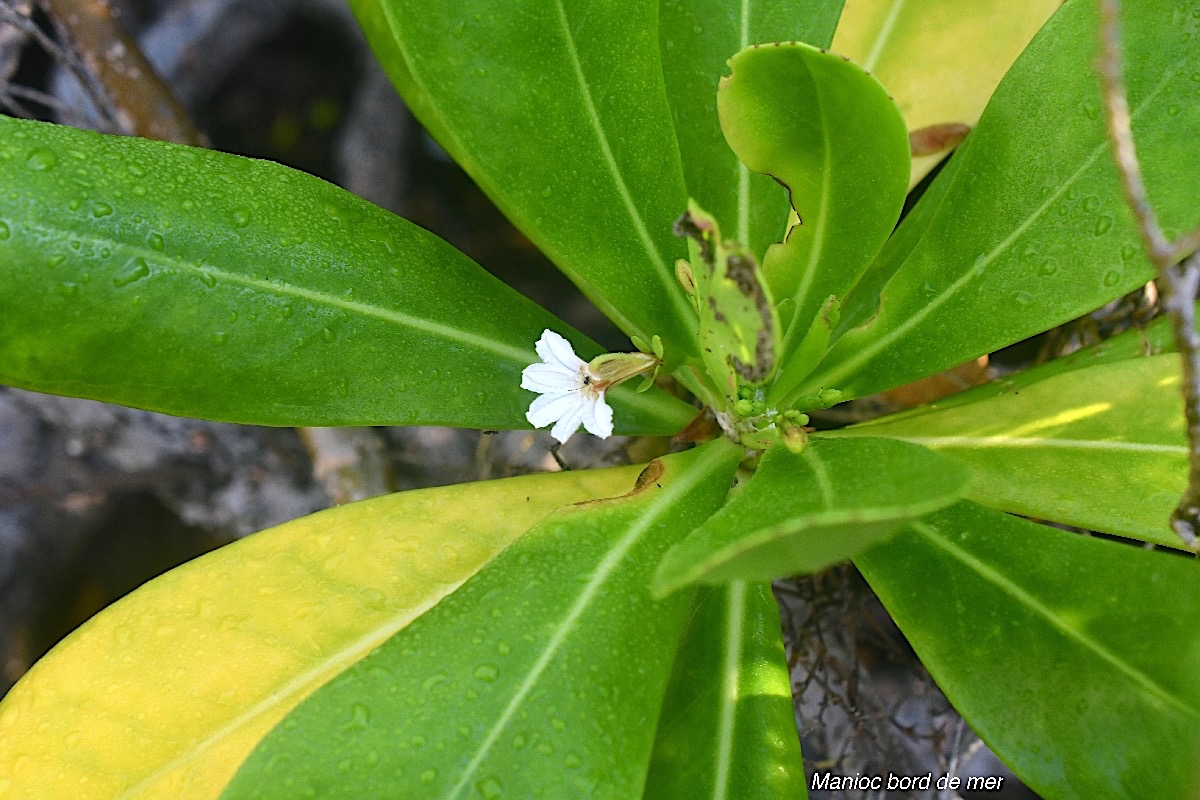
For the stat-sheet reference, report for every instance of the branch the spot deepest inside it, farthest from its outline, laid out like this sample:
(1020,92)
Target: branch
(1178,283)
(141,103)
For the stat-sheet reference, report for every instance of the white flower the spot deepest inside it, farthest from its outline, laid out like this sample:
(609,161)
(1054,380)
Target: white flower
(572,394)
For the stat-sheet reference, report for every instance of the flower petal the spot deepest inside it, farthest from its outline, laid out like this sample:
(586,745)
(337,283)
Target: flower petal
(599,419)
(550,378)
(549,407)
(569,423)
(554,349)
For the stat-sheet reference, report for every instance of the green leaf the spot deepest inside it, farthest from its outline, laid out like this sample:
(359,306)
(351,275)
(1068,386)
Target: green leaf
(490,693)
(828,131)
(940,61)
(1072,657)
(558,111)
(696,39)
(1154,339)
(727,727)
(739,329)
(1033,222)
(163,694)
(804,512)
(209,285)
(1102,447)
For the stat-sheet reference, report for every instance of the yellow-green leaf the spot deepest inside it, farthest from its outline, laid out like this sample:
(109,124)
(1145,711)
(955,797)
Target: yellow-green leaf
(940,60)
(1102,447)
(165,693)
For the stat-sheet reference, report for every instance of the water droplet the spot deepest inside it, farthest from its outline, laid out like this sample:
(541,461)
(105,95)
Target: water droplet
(219,337)
(1023,298)
(459,28)
(1090,204)
(188,204)
(486,673)
(1128,251)
(429,776)
(434,680)
(135,270)
(417,741)
(490,788)
(327,334)
(1174,109)
(360,717)
(1091,110)
(1103,223)
(72,739)
(54,261)
(1112,277)
(503,648)
(75,204)
(5,231)
(241,218)
(573,761)
(139,191)
(155,241)
(41,159)
(287,312)
(518,742)
(101,210)
(545,748)
(208,279)
(136,171)
(558,724)
(1048,267)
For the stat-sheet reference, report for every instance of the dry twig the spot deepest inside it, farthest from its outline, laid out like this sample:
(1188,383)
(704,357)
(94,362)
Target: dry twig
(1177,263)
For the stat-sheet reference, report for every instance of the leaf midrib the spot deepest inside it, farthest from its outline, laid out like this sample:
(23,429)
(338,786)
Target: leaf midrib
(589,288)
(730,694)
(158,258)
(743,172)
(883,36)
(664,275)
(950,442)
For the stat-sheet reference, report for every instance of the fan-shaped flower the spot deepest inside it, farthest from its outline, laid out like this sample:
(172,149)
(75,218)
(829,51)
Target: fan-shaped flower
(571,392)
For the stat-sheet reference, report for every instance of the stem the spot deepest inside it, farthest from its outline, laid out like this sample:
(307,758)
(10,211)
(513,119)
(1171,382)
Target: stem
(1177,283)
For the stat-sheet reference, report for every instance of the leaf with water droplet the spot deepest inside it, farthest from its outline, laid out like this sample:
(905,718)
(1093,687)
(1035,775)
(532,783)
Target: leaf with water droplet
(1100,447)
(584,558)
(386,331)
(751,208)
(174,705)
(988,200)
(728,732)
(1055,619)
